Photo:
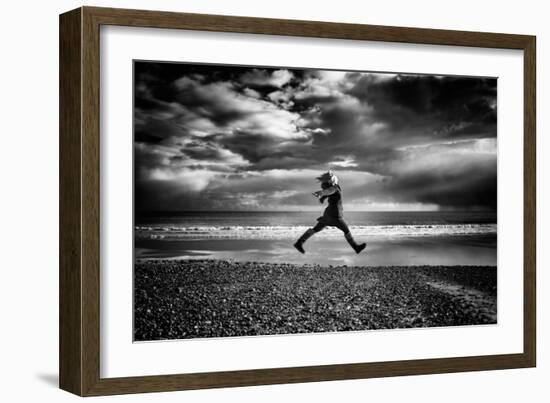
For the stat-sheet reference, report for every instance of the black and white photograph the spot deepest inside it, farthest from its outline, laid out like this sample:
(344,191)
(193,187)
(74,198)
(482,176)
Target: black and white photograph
(278,200)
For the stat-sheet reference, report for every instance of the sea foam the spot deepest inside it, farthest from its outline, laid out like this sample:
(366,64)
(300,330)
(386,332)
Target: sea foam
(291,232)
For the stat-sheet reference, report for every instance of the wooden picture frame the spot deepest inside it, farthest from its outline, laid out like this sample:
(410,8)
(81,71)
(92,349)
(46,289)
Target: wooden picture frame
(79,280)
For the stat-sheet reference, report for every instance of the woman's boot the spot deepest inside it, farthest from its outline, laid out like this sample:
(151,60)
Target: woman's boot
(351,241)
(300,242)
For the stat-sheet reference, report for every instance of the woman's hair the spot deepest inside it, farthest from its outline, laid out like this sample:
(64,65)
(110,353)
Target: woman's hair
(328,177)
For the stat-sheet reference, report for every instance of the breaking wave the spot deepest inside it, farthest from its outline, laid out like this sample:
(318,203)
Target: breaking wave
(291,232)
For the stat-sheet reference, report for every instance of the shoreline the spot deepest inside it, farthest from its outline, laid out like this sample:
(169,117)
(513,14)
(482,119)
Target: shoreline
(402,251)
(197,298)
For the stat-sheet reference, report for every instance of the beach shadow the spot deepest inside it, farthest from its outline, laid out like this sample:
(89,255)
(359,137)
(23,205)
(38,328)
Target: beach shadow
(49,379)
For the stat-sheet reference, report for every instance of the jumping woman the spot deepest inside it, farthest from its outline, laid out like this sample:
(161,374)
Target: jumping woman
(333,215)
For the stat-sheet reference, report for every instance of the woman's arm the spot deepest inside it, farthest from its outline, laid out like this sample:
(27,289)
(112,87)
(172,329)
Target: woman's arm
(325,192)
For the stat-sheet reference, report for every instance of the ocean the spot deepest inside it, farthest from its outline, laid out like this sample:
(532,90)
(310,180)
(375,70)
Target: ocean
(393,238)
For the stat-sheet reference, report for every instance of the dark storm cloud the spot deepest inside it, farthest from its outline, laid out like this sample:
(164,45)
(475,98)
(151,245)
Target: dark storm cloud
(233,136)
(462,181)
(449,106)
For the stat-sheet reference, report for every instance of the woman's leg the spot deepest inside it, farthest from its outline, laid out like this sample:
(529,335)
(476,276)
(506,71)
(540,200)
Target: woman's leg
(306,235)
(347,233)
(318,227)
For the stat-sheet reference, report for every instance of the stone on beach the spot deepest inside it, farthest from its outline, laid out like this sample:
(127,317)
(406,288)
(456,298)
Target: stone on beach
(176,299)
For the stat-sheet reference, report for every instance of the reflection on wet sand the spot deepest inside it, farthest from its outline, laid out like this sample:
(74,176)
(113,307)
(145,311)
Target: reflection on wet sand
(452,250)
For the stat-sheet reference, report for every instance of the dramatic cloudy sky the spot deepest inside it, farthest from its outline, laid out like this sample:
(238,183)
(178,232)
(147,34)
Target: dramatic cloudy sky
(243,138)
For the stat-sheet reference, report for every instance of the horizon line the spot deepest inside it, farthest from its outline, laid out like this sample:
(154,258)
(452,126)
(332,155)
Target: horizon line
(315,211)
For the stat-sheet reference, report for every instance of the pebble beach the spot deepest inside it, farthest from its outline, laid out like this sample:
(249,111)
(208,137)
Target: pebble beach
(183,299)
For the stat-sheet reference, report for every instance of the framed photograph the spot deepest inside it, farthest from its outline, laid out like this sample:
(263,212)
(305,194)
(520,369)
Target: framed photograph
(248,201)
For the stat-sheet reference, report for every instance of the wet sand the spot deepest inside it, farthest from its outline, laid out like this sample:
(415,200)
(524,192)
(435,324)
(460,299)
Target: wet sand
(197,298)
(463,250)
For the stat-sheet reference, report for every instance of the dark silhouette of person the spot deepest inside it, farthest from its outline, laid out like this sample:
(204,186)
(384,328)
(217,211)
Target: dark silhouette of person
(333,215)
